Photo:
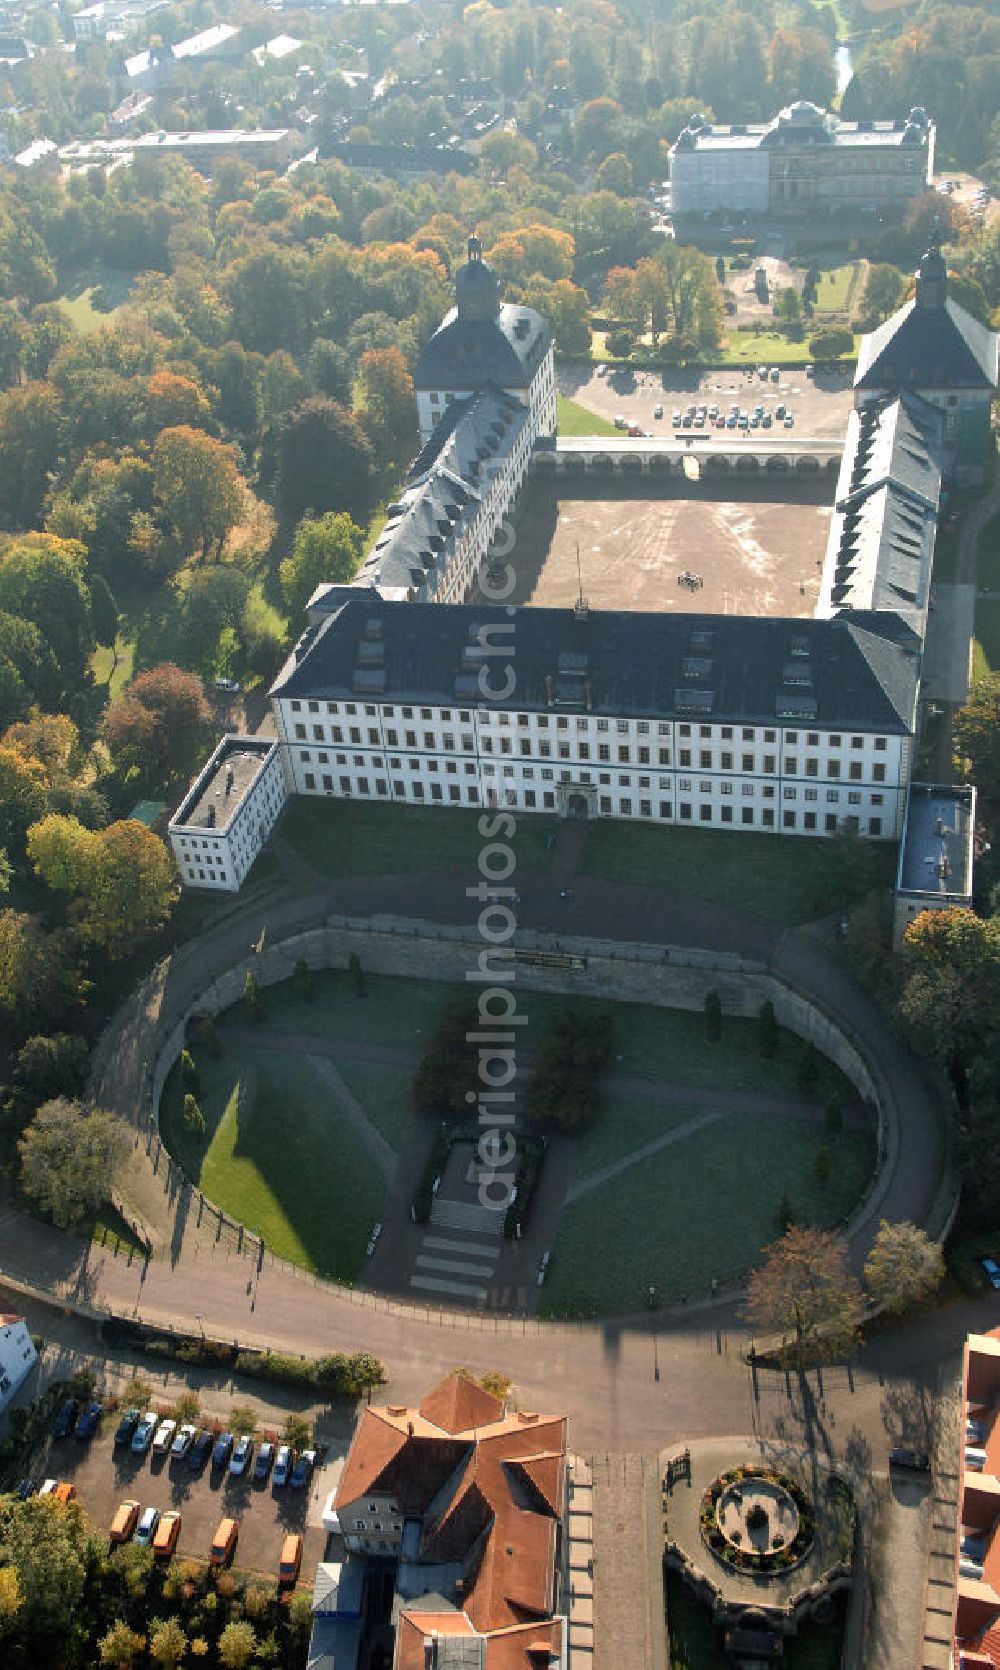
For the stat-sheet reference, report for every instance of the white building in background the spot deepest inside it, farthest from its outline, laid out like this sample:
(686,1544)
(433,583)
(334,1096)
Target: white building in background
(804,162)
(229,812)
(17,1355)
(485,343)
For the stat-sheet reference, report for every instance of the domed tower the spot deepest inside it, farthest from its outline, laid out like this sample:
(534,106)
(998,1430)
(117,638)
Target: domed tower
(477,288)
(486,343)
(932,279)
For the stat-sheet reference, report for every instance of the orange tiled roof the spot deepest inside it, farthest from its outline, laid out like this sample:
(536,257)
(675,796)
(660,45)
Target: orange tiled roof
(496,1486)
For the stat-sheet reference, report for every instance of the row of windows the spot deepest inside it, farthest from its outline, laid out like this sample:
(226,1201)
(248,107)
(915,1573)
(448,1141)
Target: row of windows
(625,807)
(643,727)
(527,747)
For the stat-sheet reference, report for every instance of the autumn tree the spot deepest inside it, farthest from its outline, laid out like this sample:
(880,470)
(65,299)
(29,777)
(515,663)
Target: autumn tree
(326,548)
(805,1292)
(39,971)
(119,1648)
(197,488)
(167,1643)
(237,1644)
(904,1265)
(42,581)
(882,294)
(45,1544)
(951,996)
(120,880)
(29,450)
(388,410)
(173,399)
(103,613)
(69,1158)
(158,726)
(53,1065)
(977,738)
(28,670)
(324,462)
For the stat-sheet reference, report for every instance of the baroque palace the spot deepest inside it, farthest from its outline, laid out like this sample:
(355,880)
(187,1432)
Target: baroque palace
(400,690)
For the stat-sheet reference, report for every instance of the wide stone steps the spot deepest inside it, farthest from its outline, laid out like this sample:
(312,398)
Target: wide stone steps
(468,1216)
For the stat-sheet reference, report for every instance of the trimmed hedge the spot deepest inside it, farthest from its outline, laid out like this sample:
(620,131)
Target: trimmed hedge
(338,1373)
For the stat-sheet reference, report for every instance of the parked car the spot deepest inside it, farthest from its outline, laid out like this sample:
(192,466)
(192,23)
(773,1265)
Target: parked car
(789,420)
(810,371)
(88,1423)
(223,1542)
(602,370)
(228,686)
(167,1532)
(265,1461)
(291,1558)
(146,1527)
(283,1465)
(223,1450)
(766,420)
(992,1271)
(242,1455)
(125,1520)
(182,1443)
(164,1437)
(49,1487)
(657,411)
(200,1451)
(675,418)
(635,431)
(779,410)
(775,374)
(125,1430)
(142,1437)
(916,1461)
(303,1470)
(64,1492)
(621,422)
(25,1489)
(66,1418)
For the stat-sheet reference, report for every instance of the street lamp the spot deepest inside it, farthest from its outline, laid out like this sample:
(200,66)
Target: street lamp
(198,1319)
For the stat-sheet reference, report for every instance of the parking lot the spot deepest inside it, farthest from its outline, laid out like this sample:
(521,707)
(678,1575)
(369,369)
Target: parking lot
(105,1476)
(819,405)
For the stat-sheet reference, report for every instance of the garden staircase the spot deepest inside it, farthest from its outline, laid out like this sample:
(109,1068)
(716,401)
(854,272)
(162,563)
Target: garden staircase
(467,1215)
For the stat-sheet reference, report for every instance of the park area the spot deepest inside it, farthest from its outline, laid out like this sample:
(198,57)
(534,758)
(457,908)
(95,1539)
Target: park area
(698,1149)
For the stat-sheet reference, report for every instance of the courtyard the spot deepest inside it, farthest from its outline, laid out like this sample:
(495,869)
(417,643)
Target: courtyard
(310,1141)
(757,550)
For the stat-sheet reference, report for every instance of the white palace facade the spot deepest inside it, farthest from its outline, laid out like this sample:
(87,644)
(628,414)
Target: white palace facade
(401,690)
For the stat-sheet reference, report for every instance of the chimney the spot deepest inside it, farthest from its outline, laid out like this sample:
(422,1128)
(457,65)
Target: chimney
(430,1650)
(549,690)
(588,695)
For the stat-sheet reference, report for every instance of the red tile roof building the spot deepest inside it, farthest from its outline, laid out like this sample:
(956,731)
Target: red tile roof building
(470,1501)
(977,1586)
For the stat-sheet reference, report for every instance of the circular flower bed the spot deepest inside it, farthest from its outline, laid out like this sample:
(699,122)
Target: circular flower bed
(758,1521)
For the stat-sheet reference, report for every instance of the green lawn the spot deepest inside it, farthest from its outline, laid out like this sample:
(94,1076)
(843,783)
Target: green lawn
(354,838)
(280,1156)
(653,1043)
(747,347)
(834,292)
(385,1095)
(91,305)
(700,1209)
(783,877)
(115,675)
(109,1229)
(575,419)
(986,647)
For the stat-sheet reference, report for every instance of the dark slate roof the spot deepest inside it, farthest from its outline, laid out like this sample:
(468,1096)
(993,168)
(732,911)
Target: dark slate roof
(928,347)
(469,353)
(858,671)
(882,532)
(444,492)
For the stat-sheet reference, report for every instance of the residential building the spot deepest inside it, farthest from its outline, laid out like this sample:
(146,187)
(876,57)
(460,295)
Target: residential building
(794,725)
(228,813)
(977,1556)
(804,162)
(936,852)
(265,147)
(465,1505)
(42,155)
(485,343)
(156,65)
(17,1355)
(934,348)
